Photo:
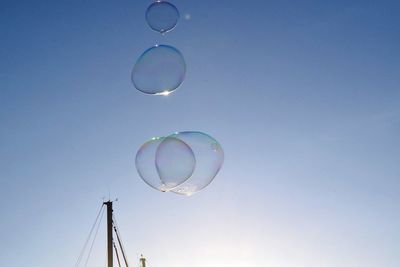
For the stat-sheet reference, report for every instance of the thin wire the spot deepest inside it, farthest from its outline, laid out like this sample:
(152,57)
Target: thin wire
(88,238)
(116,253)
(94,238)
(120,240)
(120,246)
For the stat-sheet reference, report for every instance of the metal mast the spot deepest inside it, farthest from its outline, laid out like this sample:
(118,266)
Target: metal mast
(109,233)
(142,261)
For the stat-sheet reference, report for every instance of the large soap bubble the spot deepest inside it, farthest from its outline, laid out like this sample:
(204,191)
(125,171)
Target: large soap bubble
(183,163)
(159,70)
(209,159)
(162,16)
(175,161)
(169,166)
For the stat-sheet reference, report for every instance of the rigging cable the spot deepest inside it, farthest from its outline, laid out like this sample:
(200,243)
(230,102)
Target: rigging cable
(94,238)
(88,238)
(116,253)
(119,240)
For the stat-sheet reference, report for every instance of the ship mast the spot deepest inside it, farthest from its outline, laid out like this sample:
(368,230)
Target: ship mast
(111,245)
(109,233)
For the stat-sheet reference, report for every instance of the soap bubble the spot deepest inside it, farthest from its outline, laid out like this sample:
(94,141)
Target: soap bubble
(146,165)
(159,70)
(183,163)
(209,159)
(162,16)
(175,162)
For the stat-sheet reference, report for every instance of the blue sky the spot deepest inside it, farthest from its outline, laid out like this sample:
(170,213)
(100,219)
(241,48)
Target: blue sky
(303,96)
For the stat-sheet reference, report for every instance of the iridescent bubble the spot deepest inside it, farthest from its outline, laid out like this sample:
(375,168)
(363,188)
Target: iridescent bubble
(162,16)
(159,70)
(175,161)
(173,174)
(209,159)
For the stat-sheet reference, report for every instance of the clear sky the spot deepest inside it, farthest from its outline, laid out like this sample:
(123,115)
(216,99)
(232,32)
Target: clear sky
(304,97)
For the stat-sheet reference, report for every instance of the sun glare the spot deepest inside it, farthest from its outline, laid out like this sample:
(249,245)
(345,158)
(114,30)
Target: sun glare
(165,93)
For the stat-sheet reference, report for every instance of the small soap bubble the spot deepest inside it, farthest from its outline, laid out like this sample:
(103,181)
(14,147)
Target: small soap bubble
(160,70)
(175,162)
(162,16)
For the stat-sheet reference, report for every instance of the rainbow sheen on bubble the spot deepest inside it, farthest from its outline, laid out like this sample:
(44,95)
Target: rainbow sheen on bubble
(174,174)
(162,16)
(209,159)
(160,70)
(175,162)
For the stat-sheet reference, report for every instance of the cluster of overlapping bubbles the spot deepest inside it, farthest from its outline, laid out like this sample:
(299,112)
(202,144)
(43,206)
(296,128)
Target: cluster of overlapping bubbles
(183,163)
(161,69)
